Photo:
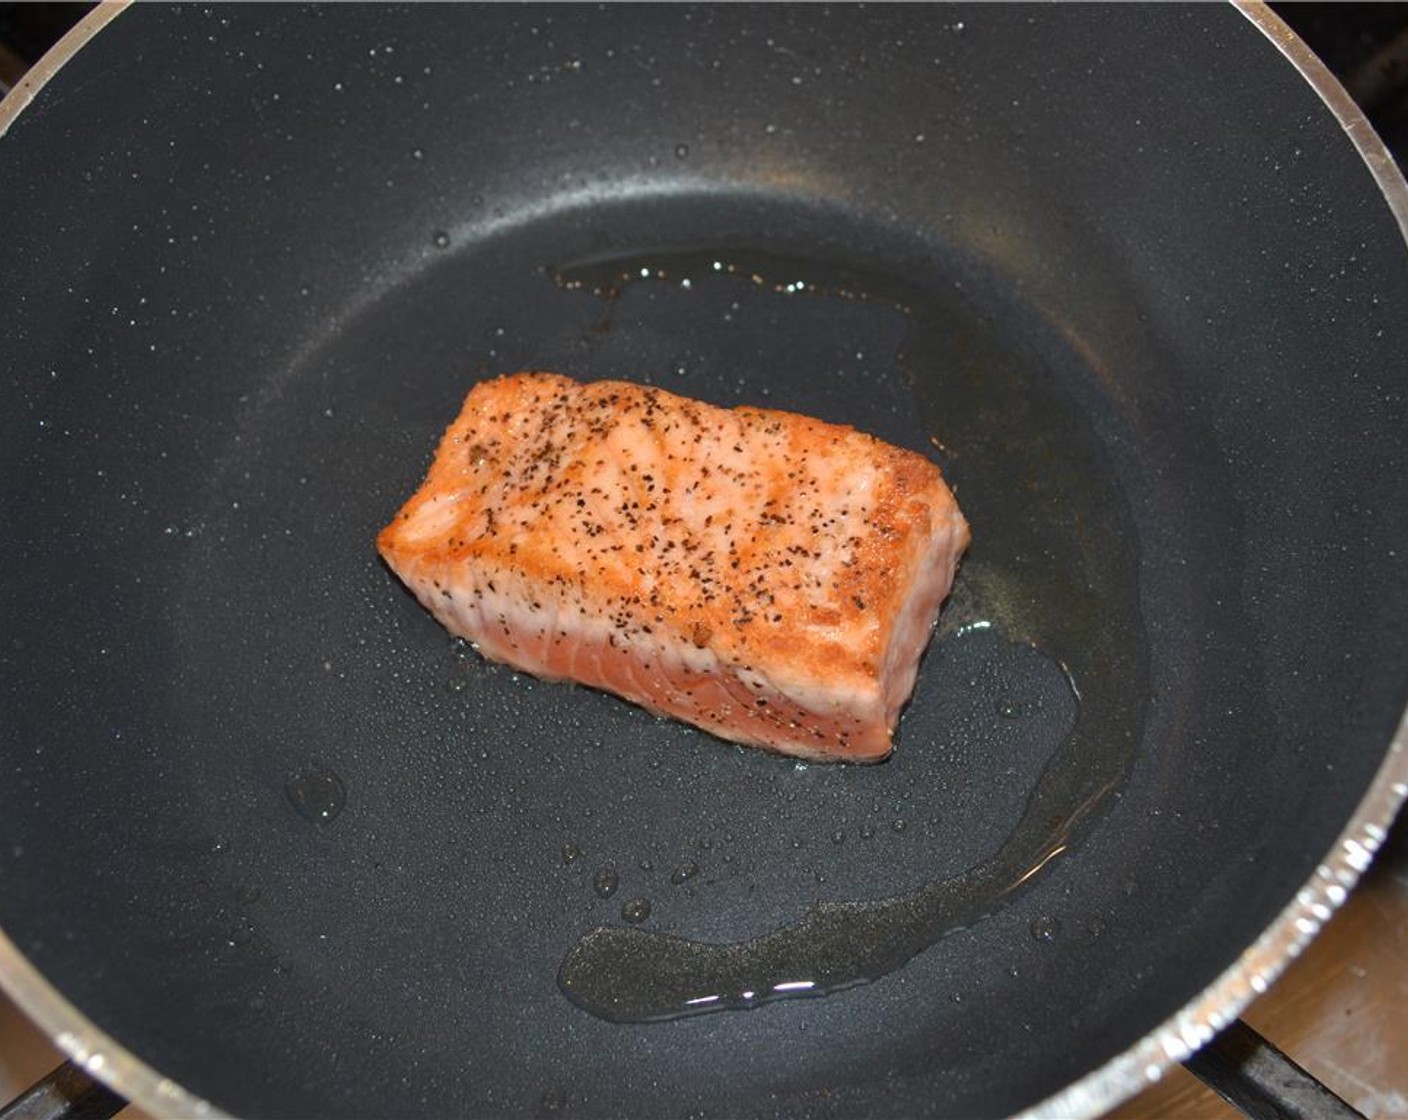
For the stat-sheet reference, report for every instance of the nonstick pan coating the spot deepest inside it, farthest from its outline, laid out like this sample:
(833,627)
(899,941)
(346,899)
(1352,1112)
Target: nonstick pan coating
(1117,270)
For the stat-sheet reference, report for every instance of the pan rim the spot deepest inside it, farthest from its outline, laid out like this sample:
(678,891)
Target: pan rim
(1096,1092)
(1196,1023)
(22,94)
(75,1035)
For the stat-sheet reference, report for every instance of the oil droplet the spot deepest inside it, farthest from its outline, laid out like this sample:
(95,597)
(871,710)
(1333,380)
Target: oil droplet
(317,793)
(571,853)
(605,882)
(681,151)
(242,933)
(683,873)
(417,153)
(1045,928)
(636,910)
(442,239)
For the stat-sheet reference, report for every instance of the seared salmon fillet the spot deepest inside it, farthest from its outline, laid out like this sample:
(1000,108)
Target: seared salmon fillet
(767,577)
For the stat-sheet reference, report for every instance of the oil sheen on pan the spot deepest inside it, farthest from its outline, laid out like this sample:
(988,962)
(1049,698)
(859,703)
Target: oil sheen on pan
(1079,612)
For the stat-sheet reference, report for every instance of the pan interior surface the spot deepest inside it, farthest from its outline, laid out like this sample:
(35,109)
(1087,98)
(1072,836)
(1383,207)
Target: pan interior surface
(305,833)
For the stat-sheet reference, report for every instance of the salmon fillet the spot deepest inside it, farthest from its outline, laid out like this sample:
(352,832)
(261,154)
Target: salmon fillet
(767,577)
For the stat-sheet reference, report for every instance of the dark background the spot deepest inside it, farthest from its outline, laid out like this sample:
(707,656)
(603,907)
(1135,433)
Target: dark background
(1366,45)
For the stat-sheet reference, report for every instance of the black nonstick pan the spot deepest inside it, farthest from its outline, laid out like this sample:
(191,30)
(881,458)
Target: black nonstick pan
(272,845)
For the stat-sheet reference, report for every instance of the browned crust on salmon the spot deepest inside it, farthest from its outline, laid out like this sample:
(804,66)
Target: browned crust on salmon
(752,571)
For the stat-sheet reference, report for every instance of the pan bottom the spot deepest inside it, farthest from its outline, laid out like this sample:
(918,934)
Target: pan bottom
(997,762)
(458,827)
(1092,618)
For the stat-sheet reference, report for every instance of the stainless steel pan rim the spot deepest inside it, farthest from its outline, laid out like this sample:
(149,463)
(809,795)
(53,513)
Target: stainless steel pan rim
(1098,1091)
(1286,938)
(1258,967)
